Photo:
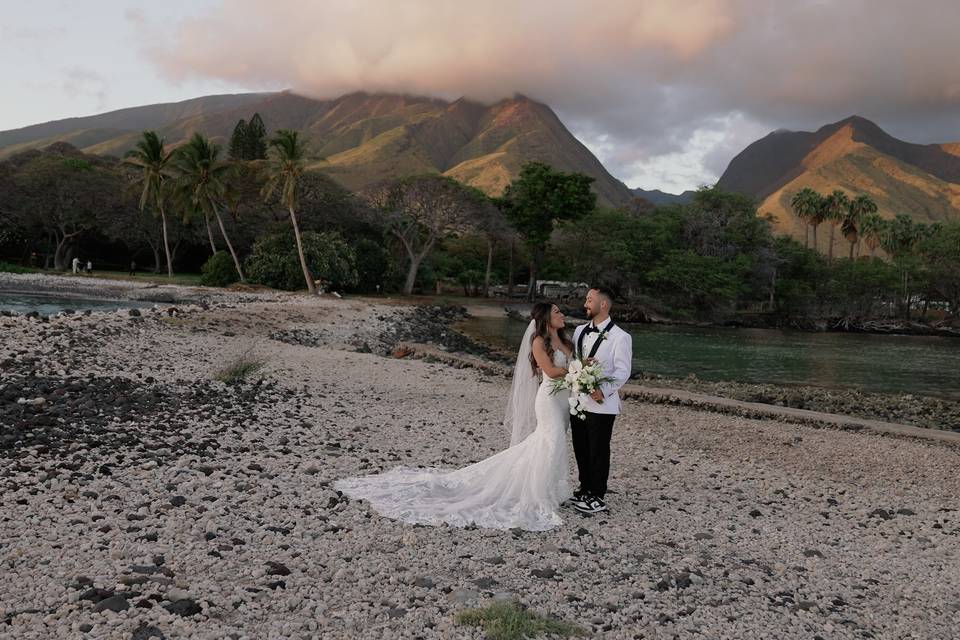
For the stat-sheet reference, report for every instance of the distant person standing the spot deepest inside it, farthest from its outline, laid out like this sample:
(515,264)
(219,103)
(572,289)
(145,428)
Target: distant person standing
(76,265)
(89,267)
(133,267)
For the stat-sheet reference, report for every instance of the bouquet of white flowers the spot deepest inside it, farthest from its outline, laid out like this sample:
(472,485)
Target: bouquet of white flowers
(583,377)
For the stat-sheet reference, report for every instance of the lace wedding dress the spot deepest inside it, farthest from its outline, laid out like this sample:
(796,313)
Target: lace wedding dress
(521,486)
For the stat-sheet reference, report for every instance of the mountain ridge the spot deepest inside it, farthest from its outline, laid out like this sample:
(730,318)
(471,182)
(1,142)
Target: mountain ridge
(361,137)
(853,155)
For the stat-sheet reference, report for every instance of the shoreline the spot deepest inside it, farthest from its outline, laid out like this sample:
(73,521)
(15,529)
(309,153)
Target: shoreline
(435,322)
(929,412)
(773,323)
(170,501)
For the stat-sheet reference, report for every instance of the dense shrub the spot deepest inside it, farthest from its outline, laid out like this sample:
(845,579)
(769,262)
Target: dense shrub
(219,270)
(274,261)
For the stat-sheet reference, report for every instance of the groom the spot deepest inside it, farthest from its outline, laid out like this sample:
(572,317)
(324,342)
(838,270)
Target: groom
(602,340)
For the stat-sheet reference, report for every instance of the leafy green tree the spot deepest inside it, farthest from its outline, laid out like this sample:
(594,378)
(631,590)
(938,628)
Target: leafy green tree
(421,210)
(201,180)
(610,246)
(150,157)
(538,199)
(941,257)
(256,139)
(854,287)
(702,284)
(248,140)
(800,272)
(285,171)
(238,141)
(218,270)
(66,194)
(491,222)
(372,264)
(276,261)
(900,239)
(726,226)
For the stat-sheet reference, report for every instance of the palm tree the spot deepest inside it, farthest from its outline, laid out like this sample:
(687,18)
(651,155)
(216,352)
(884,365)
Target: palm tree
(872,228)
(901,235)
(804,203)
(151,158)
(859,207)
(201,179)
(900,239)
(819,204)
(288,159)
(836,208)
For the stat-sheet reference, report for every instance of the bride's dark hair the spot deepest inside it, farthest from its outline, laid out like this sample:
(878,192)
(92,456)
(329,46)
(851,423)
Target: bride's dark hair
(540,314)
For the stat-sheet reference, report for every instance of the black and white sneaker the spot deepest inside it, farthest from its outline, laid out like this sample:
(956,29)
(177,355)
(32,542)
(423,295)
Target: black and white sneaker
(590,504)
(578,496)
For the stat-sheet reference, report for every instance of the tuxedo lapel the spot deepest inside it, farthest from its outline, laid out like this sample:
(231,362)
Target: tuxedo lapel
(581,331)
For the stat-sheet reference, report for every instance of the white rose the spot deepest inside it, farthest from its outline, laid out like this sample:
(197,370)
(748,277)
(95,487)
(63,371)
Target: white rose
(576,366)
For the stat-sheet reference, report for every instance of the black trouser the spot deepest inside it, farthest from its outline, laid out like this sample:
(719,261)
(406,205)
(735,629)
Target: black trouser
(591,445)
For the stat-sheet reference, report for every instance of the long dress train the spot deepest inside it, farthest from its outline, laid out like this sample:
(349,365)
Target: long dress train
(522,486)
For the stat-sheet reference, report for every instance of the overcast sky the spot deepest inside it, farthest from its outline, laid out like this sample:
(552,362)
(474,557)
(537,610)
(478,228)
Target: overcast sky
(664,92)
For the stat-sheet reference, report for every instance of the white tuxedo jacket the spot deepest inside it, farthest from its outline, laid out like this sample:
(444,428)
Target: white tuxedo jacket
(616,355)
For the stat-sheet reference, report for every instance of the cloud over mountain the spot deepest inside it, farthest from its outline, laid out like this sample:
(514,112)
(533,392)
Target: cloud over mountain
(649,84)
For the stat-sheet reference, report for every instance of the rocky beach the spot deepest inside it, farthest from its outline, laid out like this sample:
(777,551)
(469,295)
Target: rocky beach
(141,497)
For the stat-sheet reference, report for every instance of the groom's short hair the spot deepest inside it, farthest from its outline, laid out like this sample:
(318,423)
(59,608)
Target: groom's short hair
(604,291)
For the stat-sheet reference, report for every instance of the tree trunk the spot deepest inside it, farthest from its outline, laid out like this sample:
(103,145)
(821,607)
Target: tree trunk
(58,262)
(206,219)
(833,228)
(815,237)
(176,247)
(510,272)
(311,286)
(47,257)
(226,239)
(166,242)
(773,288)
(806,236)
(532,282)
(851,250)
(156,259)
(411,275)
(486,277)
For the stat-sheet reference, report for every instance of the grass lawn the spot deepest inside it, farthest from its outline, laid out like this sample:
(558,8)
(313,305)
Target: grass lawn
(188,279)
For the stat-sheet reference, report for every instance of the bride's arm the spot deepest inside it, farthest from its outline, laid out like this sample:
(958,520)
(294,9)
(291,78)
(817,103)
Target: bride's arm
(543,360)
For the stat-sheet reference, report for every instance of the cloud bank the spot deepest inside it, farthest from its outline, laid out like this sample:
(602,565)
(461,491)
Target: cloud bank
(664,91)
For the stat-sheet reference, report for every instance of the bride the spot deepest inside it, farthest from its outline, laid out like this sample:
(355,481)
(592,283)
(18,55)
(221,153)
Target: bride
(521,486)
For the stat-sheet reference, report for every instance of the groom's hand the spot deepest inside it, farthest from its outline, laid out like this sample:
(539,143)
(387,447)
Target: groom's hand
(597,395)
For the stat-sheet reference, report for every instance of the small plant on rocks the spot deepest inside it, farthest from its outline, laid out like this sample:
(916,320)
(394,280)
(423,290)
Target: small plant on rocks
(513,621)
(240,368)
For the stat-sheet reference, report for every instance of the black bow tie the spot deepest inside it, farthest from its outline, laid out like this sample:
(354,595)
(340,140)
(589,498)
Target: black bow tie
(591,329)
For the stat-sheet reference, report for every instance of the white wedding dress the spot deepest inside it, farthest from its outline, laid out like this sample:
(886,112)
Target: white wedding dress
(522,486)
